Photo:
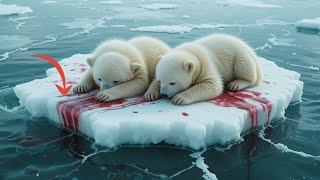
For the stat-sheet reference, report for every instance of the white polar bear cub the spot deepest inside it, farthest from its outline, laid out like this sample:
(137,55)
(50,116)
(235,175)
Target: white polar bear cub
(122,69)
(199,70)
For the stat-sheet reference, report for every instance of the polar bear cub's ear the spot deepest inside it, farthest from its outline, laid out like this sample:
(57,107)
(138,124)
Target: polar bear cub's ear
(135,68)
(188,66)
(90,61)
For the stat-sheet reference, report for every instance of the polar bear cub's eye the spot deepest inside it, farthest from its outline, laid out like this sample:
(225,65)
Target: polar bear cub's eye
(172,83)
(99,79)
(116,82)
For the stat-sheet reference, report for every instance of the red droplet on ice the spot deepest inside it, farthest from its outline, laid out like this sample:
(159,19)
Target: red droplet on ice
(185,114)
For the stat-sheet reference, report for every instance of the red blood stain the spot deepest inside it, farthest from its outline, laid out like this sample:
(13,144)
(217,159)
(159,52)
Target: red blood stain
(71,108)
(72,82)
(240,100)
(185,114)
(83,69)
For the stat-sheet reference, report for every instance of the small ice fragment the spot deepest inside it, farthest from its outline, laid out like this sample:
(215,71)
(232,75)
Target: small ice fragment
(157,6)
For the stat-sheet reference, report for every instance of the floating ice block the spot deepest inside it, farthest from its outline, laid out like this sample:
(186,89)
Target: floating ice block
(135,121)
(309,23)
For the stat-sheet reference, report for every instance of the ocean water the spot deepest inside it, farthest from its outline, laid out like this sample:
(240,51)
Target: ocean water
(34,148)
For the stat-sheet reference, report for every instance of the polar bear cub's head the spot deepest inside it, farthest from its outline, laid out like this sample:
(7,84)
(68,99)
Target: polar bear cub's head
(110,69)
(175,72)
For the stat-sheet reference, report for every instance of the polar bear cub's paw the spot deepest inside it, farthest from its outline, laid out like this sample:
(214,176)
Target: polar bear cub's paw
(151,95)
(180,99)
(238,84)
(106,96)
(81,89)
(102,96)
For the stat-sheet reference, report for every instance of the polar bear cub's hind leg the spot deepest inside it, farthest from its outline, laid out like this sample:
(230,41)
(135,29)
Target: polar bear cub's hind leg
(246,72)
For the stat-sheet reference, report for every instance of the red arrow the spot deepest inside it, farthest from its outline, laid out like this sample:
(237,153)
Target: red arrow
(63,90)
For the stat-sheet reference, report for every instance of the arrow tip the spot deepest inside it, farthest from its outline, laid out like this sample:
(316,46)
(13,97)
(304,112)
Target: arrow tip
(63,90)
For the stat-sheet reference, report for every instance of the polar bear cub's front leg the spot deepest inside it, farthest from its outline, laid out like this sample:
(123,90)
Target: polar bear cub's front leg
(131,88)
(203,91)
(153,92)
(86,84)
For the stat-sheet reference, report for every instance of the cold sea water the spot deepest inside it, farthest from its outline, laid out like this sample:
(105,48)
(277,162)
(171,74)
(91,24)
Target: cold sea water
(34,148)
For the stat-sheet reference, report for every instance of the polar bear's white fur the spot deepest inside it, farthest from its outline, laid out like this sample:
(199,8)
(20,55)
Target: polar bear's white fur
(199,70)
(122,69)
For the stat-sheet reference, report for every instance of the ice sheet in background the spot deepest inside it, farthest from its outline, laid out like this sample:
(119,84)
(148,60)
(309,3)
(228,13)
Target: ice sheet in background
(136,121)
(309,24)
(11,9)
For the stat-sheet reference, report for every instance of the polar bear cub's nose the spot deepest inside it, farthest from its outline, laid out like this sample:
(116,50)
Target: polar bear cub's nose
(164,95)
(105,85)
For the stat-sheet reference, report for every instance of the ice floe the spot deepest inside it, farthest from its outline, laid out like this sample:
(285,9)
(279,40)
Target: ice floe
(86,24)
(309,23)
(111,2)
(175,29)
(185,16)
(195,126)
(118,26)
(185,28)
(11,9)
(247,3)
(49,2)
(157,6)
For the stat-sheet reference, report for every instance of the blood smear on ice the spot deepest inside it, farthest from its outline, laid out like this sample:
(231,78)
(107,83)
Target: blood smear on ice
(243,100)
(71,109)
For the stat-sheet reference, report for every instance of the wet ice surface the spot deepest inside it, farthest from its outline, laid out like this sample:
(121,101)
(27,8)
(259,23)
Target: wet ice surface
(32,147)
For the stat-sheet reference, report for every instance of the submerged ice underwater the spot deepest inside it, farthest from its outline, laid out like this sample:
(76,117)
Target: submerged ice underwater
(135,139)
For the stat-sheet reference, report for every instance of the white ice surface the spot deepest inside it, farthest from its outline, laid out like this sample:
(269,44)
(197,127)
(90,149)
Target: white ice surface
(157,6)
(309,23)
(194,126)
(11,9)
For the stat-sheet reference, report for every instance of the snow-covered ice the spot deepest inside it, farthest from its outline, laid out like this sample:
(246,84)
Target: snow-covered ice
(309,23)
(157,6)
(11,9)
(135,121)
(247,3)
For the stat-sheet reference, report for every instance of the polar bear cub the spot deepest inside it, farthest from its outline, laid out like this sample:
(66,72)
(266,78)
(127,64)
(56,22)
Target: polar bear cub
(122,69)
(199,70)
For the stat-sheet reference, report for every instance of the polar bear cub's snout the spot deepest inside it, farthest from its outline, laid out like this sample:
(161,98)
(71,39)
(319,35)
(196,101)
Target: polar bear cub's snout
(174,73)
